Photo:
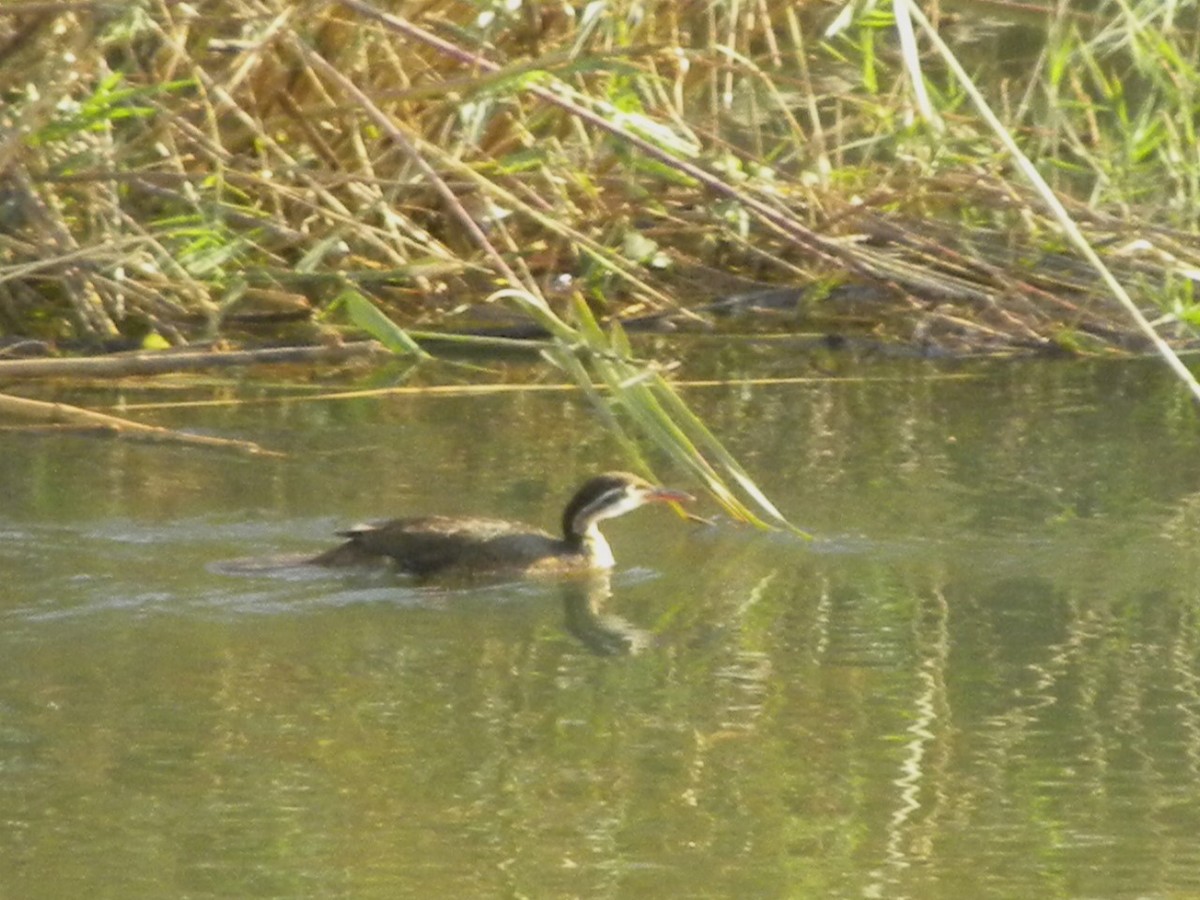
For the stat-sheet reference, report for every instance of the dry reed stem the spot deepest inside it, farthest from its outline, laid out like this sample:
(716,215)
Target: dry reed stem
(141,364)
(66,415)
(256,171)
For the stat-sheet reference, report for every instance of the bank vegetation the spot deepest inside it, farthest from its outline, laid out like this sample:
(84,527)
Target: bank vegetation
(950,180)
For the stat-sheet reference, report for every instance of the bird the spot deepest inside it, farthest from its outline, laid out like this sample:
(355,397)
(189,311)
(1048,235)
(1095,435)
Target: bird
(432,545)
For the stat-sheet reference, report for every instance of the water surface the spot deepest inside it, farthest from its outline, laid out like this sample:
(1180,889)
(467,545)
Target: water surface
(980,679)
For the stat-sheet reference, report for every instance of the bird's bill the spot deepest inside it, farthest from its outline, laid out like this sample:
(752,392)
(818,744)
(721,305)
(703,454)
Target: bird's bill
(667,495)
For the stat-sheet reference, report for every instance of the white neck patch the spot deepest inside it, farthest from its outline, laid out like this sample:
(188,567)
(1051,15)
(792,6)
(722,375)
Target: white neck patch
(597,549)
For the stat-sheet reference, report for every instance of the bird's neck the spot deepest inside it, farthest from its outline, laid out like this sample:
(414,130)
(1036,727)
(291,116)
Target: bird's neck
(591,544)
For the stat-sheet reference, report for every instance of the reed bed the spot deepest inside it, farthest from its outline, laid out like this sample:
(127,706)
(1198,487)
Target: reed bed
(980,178)
(233,167)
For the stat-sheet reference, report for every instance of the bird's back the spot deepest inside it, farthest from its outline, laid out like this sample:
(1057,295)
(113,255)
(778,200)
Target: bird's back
(431,544)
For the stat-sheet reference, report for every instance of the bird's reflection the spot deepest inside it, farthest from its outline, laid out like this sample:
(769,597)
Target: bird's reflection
(605,634)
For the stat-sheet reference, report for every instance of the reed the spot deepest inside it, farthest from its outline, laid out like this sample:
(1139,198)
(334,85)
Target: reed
(240,168)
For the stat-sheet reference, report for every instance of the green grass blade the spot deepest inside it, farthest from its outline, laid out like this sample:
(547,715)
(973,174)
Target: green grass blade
(367,316)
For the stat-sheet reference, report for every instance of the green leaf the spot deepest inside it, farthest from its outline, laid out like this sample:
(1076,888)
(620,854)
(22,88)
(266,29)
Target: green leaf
(637,247)
(367,316)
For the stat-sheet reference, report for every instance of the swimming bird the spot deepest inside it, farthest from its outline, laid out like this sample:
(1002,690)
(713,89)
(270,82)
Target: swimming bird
(434,544)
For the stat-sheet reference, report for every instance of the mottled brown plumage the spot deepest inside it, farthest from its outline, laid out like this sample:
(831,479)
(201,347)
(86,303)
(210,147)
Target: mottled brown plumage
(433,544)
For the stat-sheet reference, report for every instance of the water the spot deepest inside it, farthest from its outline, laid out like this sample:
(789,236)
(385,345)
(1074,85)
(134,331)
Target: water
(980,679)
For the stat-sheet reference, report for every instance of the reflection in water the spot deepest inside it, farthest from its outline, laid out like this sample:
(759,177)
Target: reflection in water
(982,680)
(584,597)
(919,784)
(605,634)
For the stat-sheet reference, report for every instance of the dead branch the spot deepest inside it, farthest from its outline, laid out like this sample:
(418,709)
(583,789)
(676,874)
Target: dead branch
(158,363)
(76,417)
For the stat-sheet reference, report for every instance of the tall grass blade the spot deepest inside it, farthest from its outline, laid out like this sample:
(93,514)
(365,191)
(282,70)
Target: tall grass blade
(367,316)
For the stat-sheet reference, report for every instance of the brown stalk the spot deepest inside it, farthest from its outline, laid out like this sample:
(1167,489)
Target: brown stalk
(74,417)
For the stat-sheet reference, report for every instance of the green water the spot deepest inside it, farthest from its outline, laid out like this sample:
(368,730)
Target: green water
(982,679)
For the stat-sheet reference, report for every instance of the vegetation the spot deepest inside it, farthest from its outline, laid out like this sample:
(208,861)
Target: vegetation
(253,170)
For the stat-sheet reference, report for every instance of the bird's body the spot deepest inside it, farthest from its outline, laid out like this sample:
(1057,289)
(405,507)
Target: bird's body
(425,546)
(434,544)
